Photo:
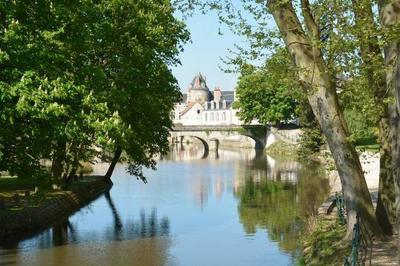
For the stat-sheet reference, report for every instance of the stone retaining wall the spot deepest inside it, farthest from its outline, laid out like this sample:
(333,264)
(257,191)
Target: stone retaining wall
(31,220)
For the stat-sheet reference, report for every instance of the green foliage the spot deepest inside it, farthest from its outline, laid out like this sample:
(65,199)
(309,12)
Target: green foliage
(359,124)
(311,141)
(360,109)
(80,78)
(269,94)
(323,244)
(39,113)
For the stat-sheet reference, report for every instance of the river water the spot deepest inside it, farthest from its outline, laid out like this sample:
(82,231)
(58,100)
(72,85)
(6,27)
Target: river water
(234,207)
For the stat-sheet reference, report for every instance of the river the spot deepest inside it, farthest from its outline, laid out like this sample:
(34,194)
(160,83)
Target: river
(234,207)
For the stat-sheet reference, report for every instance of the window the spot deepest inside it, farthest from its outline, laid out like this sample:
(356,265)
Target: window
(224,116)
(198,111)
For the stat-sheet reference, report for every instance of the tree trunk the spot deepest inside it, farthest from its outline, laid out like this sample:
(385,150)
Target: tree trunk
(390,16)
(320,87)
(373,61)
(385,211)
(57,161)
(71,175)
(395,152)
(114,162)
(74,168)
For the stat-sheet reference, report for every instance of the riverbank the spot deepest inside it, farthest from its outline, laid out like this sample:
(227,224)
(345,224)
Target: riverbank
(370,165)
(29,212)
(322,239)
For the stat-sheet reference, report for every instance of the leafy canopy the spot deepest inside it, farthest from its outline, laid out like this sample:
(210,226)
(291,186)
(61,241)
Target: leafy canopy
(270,93)
(81,79)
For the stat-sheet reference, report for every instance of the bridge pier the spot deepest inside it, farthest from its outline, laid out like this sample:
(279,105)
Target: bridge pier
(213,144)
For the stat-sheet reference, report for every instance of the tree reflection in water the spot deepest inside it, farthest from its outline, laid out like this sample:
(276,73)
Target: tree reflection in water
(142,241)
(279,207)
(65,232)
(148,225)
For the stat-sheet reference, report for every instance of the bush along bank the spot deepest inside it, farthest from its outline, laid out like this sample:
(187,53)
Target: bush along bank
(322,241)
(18,222)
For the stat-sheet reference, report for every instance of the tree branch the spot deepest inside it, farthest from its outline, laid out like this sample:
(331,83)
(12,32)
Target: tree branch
(309,20)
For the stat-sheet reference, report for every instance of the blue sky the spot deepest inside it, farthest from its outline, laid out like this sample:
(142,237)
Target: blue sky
(204,52)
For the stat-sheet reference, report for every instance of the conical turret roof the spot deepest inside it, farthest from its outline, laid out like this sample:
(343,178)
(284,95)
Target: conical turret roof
(199,83)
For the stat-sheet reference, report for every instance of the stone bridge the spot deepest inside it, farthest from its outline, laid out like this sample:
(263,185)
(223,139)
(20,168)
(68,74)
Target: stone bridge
(213,136)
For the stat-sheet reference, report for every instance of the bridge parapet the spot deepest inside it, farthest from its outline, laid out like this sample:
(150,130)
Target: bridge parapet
(262,135)
(218,128)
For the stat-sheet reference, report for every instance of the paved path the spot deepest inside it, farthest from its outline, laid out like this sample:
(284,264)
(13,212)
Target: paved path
(386,252)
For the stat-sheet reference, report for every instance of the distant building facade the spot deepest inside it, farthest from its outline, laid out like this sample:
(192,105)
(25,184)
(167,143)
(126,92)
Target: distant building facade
(200,106)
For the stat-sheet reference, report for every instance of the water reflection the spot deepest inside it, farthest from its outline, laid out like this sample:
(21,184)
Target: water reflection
(195,151)
(280,207)
(276,194)
(53,247)
(63,234)
(237,207)
(117,219)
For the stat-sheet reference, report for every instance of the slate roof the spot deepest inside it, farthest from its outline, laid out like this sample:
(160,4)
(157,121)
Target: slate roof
(184,98)
(188,107)
(220,104)
(228,96)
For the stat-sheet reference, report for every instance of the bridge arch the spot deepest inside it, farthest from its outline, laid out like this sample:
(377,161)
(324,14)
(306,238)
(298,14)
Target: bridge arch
(259,145)
(212,136)
(205,144)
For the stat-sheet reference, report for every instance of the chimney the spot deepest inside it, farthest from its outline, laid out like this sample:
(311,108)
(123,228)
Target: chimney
(217,94)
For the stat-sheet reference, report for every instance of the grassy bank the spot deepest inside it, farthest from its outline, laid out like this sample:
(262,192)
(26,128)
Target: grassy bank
(322,242)
(17,194)
(367,144)
(282,148)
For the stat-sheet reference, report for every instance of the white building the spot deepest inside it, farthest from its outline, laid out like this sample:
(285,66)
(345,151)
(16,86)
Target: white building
(201,107)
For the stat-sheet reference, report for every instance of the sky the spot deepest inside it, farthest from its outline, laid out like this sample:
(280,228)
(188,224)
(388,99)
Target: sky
(204,53)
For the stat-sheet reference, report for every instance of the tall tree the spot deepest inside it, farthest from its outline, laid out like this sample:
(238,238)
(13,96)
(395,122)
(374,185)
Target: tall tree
(136,42)
(319,84)
(304,40)
(87,74)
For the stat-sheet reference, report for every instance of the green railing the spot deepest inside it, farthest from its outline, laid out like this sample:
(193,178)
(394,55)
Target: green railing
(361,243)
(341,211)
